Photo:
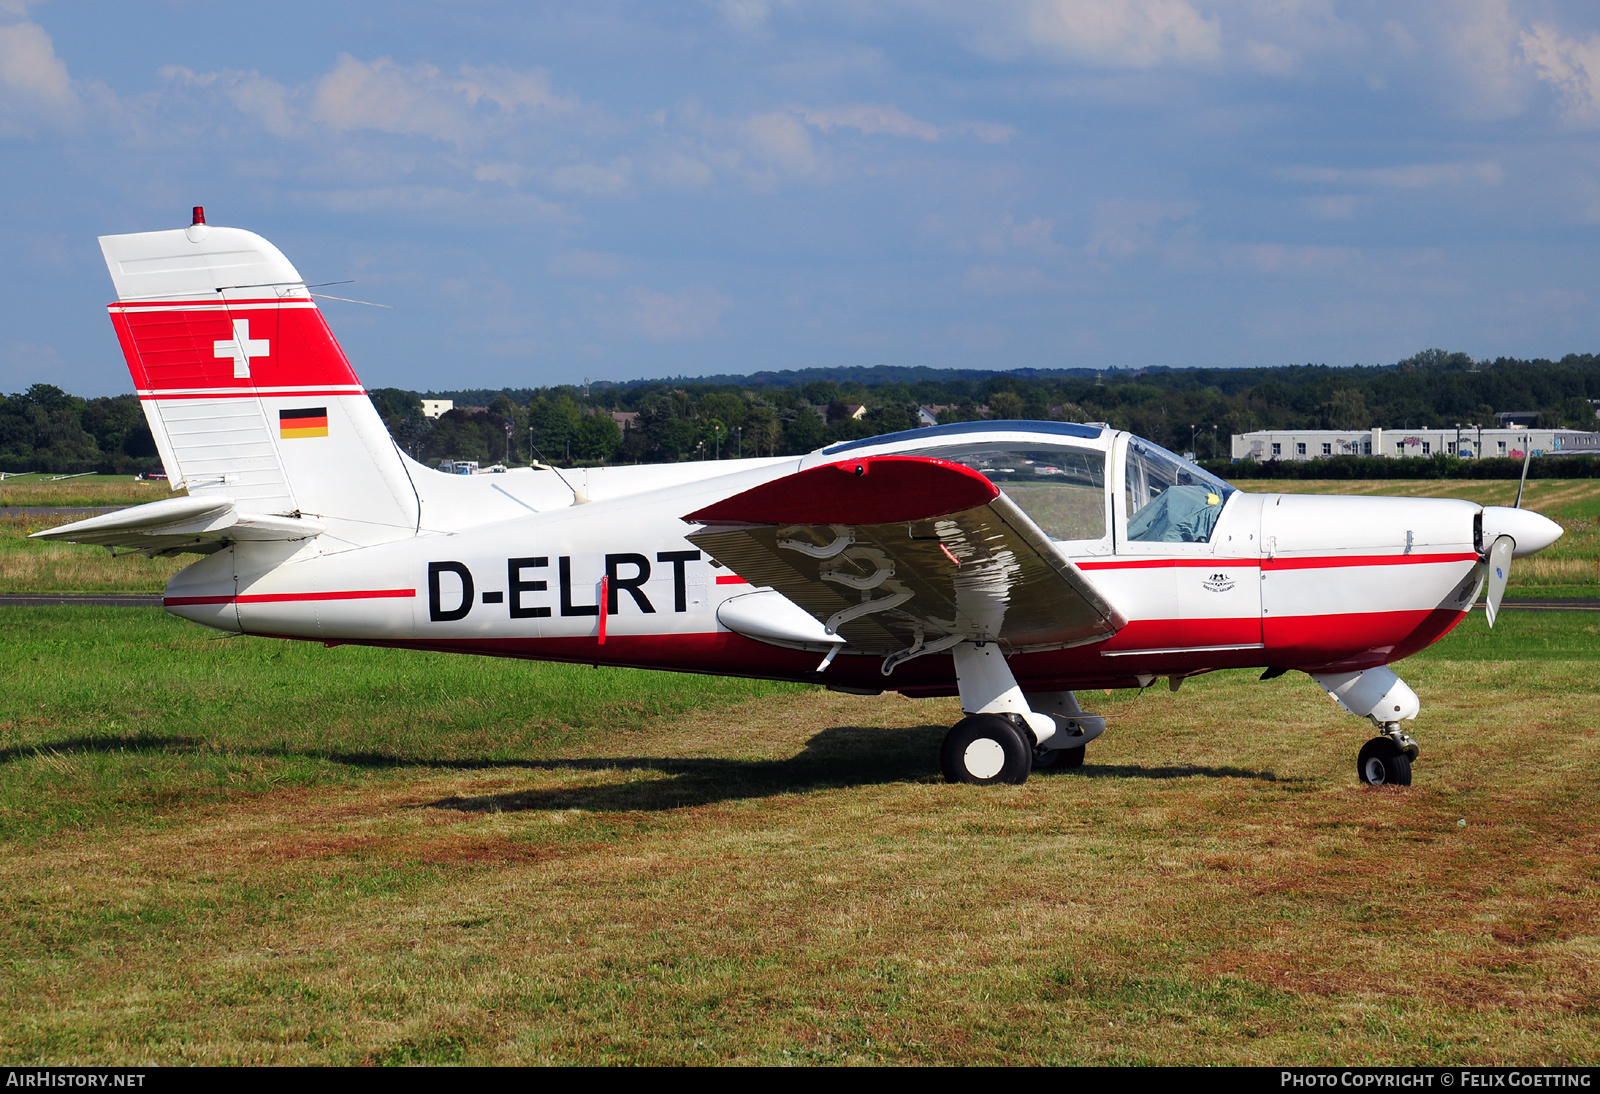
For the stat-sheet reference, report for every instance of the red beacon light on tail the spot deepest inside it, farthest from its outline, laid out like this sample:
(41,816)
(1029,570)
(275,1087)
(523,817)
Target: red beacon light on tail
(199,215)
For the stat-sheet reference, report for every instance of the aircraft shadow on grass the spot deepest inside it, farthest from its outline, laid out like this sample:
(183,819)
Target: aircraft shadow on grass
(836,758)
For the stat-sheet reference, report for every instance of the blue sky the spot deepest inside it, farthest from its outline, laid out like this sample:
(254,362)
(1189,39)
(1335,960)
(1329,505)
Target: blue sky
(548,192)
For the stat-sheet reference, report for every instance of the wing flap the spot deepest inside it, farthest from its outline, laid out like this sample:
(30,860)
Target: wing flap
(934,556)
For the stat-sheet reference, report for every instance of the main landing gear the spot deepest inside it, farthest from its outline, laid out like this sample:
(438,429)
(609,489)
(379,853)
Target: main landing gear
(983,749)
(1006,733)
(1378,694)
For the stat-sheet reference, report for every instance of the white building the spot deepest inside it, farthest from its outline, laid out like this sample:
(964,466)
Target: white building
(436,408)
(1466,442)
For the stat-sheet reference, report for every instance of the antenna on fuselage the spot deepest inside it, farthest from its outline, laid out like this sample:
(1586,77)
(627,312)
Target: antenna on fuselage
(578,496)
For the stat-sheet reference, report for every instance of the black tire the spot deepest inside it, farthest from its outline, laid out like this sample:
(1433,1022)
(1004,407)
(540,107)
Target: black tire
(1381,763)
(984,749)
(1057,759)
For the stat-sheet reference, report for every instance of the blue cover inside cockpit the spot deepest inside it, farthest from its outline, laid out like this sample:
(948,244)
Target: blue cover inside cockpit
(1181,514)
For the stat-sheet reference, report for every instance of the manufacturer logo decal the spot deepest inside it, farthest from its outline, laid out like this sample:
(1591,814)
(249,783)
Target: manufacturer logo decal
(1218,583)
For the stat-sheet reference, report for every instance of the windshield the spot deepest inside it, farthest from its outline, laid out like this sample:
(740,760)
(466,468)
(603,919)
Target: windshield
(1170,500)
(1062,489)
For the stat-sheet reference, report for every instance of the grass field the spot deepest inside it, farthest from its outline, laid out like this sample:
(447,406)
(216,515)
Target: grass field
(242,850)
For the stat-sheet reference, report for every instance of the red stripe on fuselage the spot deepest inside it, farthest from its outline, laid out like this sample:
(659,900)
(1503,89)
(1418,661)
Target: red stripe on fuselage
(1308,562)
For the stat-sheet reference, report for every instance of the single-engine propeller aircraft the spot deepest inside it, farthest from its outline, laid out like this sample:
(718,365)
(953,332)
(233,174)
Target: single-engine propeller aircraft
(1007,562)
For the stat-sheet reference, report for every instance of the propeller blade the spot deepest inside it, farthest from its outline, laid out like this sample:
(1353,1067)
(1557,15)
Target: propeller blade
(1527,458)
(1499,572)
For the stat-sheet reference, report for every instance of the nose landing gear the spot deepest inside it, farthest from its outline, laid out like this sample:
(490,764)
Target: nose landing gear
(1386,760)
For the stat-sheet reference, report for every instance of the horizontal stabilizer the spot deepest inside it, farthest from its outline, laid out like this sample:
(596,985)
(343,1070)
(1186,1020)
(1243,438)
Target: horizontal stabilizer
(198,525)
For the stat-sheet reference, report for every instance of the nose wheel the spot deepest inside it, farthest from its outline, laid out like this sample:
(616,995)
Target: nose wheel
(1384,762)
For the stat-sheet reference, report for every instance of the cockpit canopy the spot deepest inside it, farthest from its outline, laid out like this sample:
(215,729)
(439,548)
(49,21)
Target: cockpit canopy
(1058,473)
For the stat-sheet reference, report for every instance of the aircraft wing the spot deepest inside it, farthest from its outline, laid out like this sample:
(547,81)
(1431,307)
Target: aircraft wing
(196,525)
(903,555)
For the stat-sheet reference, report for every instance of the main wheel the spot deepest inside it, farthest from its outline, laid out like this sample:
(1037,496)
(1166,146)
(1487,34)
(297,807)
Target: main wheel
(1382,763)
(1053,758)
(983,749)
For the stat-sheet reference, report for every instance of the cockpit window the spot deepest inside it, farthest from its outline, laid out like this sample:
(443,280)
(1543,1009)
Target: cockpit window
(1062,489)
(1170,500)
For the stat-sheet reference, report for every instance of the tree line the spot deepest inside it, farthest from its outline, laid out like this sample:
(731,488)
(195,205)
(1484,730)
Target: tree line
(788,413)
(792,413)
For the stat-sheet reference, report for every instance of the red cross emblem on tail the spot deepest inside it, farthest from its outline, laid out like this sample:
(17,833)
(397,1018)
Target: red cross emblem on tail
(241,347)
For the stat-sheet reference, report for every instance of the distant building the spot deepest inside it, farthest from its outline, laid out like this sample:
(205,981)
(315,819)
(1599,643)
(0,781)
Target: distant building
(1516,419)
(435,408)
(1467,443)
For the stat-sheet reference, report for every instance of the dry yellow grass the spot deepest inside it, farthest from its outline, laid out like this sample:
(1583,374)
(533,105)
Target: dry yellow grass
(39,491)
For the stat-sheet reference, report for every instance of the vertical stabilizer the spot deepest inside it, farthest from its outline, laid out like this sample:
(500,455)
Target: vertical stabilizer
(244,387)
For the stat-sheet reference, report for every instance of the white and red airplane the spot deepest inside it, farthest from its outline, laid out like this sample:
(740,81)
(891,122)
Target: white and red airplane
(1007,562)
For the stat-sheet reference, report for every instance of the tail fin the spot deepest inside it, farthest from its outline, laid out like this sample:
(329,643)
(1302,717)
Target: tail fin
(244,387)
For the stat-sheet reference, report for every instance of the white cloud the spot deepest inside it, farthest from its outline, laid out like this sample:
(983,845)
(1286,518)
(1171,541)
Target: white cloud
(871,119)
(1107,33)
(252,94)
(780,140)
(671,317)
(29,65)
(1570,66)
(34,83)
(1482,35)
(421,100)
(1124,227)
(1409,177)
(874,119)
(746,15)
(1271,59)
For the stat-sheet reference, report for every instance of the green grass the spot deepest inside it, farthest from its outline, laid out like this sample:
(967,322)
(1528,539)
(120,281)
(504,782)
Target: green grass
(241,850)
(114,711)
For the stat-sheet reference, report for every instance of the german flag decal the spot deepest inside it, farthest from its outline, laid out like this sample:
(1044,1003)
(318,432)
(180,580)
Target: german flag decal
(310,422)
